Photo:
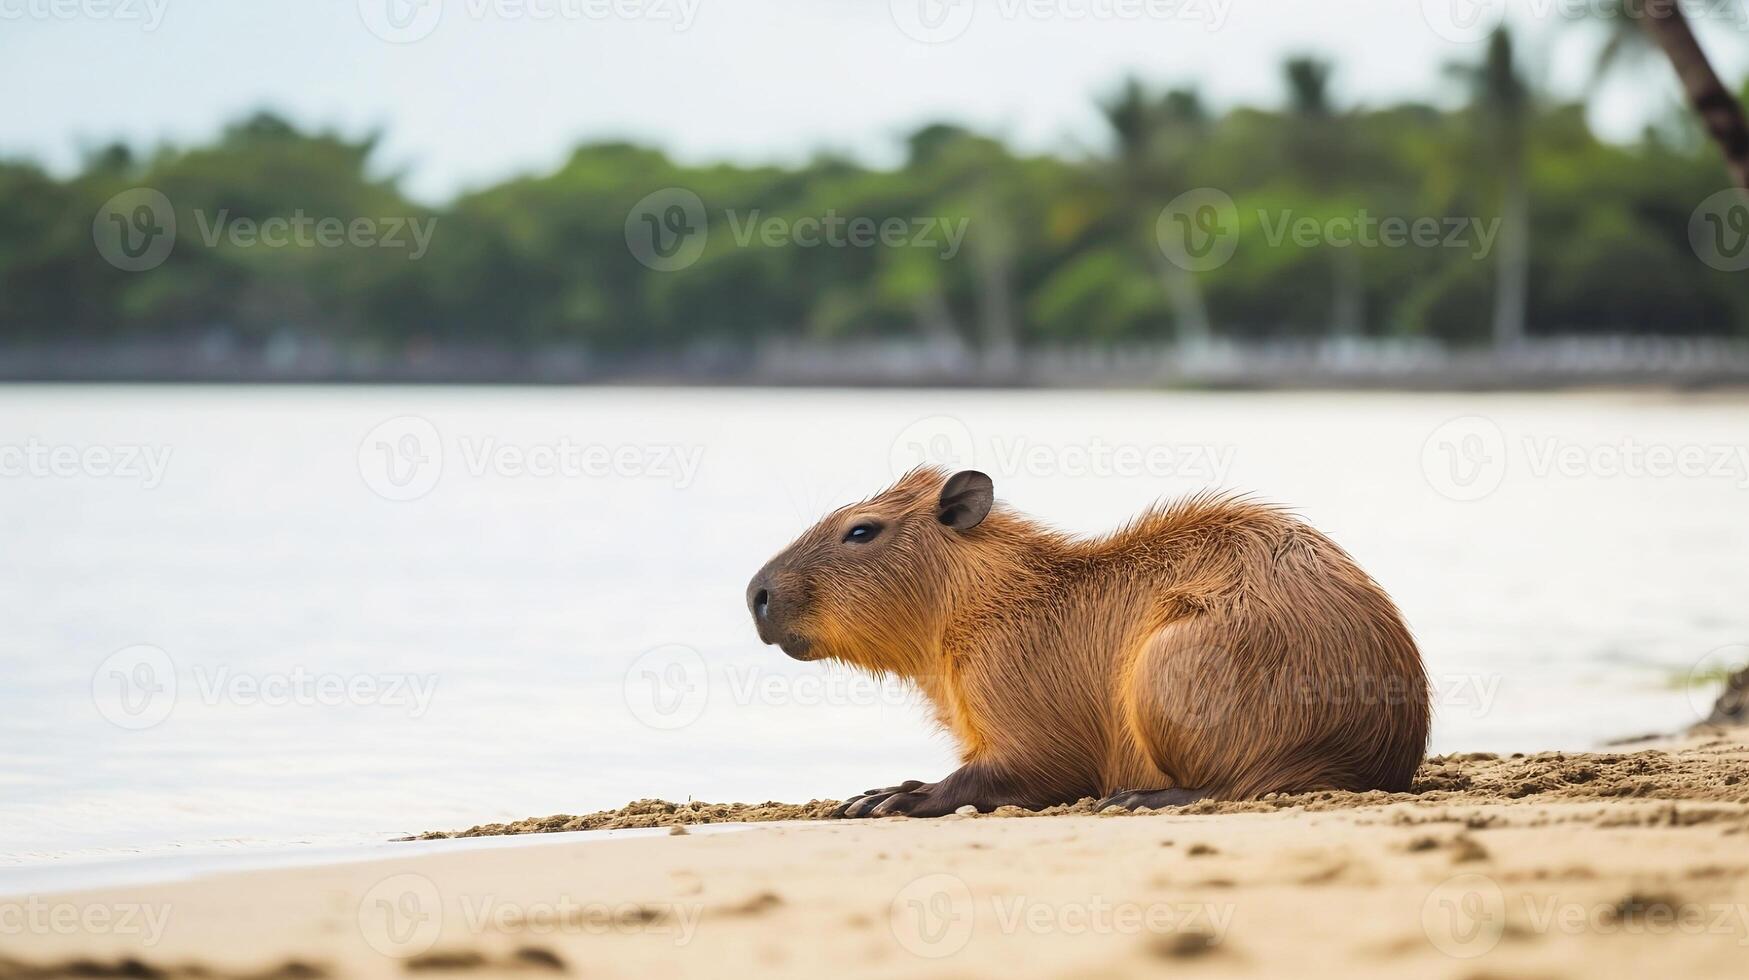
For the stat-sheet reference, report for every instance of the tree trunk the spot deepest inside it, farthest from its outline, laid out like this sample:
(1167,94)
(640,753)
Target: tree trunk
(1347,294)
(1184,293)
(1512,263)
(996,313)
(1716,106)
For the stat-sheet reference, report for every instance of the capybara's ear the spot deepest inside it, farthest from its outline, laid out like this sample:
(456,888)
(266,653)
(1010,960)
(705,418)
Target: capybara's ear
(966,498)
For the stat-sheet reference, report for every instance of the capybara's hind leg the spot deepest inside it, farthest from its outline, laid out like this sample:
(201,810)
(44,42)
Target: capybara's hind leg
(1153,799)
(1205,708)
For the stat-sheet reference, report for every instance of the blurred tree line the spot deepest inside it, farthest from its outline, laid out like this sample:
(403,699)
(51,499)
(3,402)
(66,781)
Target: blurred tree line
(1058,248)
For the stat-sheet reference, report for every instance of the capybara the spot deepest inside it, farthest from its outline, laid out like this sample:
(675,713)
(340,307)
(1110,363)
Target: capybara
(1213,648)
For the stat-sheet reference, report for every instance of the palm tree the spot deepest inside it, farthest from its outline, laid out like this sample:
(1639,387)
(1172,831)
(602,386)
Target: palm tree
(1662,26)
(1718,109)
(1321,151)
(1502,101)
(1308,86)
(1151,135)
(977,178)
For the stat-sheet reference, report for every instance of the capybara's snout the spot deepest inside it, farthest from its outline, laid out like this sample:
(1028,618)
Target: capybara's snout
(773,598)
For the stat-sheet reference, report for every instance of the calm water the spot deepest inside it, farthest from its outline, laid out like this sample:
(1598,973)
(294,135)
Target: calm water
(248,617)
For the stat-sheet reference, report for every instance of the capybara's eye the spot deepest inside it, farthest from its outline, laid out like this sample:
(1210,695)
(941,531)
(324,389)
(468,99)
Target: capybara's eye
(862,533)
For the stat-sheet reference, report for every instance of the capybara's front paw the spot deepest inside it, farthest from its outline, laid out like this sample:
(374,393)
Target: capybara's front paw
(863,804)
(925,801)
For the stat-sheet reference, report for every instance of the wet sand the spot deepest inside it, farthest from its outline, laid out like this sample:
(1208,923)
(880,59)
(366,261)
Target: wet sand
(1546,865)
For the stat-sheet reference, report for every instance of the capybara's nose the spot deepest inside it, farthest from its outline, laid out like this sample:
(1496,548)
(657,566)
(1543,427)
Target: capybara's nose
(759,593)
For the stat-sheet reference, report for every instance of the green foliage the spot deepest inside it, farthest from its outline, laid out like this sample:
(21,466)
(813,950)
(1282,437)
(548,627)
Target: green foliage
(1055,250)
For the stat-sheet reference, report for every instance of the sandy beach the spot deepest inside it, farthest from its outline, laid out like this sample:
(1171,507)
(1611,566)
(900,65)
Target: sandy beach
(1548,865)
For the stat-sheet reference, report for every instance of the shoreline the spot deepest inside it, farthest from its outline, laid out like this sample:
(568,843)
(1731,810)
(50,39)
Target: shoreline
(1605,863)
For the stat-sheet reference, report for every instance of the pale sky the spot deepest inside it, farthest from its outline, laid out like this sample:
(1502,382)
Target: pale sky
(476,90)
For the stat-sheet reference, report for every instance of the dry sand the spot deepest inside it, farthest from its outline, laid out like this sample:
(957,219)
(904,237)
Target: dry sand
(1552,865)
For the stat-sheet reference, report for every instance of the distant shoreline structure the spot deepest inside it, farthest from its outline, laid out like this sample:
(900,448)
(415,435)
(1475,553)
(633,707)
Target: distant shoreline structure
(1329,363)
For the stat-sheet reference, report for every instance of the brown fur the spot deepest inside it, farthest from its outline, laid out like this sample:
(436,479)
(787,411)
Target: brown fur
(1218,646)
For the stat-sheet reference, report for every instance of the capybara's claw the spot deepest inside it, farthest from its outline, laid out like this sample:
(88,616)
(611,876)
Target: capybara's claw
(1153,799)
(863,804)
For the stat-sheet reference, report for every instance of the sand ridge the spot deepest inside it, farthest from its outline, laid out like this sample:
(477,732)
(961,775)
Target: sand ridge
(1710,767)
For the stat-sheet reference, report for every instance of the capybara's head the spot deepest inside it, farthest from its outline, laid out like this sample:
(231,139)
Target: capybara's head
(873,582)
